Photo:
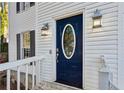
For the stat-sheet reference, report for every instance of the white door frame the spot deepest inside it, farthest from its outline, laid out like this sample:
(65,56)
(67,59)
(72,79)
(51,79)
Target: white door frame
(69,14)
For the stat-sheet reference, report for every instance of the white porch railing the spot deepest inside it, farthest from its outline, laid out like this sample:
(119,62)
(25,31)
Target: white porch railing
(24,62)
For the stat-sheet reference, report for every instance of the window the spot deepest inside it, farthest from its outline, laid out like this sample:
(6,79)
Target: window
(68,41)
(22,6)
(32,4)
(26,45)
(17,7)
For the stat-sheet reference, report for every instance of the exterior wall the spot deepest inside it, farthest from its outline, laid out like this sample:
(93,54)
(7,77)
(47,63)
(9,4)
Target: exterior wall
(18,23)
(21,22)
(120,46)
(101,41)
(97,42)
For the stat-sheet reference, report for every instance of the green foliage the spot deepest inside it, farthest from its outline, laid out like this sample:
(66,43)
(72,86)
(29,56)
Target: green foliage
(3,25)
(4,20)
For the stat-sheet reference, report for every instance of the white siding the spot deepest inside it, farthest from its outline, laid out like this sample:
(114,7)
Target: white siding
(21,22)
(102,41)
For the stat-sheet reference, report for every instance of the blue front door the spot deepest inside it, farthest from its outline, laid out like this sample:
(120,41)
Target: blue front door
(69,50)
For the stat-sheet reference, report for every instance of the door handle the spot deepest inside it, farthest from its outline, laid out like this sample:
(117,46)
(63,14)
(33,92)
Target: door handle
(57,57)
(57,54)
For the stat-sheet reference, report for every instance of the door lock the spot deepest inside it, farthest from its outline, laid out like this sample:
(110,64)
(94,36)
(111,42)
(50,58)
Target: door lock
(57,54)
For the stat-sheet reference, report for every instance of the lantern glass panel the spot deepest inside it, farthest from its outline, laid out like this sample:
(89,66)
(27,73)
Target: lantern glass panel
(96,22)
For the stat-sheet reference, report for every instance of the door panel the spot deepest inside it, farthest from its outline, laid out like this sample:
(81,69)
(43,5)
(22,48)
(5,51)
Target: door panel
(69,63)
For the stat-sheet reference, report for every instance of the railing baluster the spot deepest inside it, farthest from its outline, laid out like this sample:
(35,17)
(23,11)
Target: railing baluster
(26,80)
(33,68)
(37,72)
(18,78)
(8,79)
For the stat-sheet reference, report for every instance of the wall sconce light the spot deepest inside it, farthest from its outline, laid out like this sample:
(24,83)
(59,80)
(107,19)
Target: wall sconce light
(97,19)
(44,29)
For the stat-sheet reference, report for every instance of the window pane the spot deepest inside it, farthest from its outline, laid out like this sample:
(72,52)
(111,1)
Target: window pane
(23,5)
(32,4)
(26,44)
(26,40)
(68,41)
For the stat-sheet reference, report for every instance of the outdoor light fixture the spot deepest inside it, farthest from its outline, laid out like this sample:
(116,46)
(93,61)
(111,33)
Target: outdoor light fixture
(97,19)
(44,29)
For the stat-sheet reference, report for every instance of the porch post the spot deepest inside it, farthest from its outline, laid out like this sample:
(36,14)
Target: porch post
(8,79)
(37,72)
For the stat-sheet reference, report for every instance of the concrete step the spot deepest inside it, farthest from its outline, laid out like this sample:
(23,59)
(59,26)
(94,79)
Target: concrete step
(45,85)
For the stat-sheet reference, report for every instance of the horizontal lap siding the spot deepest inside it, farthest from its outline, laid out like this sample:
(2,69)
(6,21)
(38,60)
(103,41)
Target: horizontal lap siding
(43,46)
(44,14)
(101,41)
(25,21)
(21,22)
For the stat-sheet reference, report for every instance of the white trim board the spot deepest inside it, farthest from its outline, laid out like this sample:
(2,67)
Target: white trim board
(83,50)
(120,45)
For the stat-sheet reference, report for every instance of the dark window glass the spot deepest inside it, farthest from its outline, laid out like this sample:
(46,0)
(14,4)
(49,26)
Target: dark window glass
(17,7)
(23,4)
(26,52)
(32,4)
(69,41)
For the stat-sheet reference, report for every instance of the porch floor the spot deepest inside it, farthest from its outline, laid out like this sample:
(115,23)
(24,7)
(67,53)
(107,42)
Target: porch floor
(45,85)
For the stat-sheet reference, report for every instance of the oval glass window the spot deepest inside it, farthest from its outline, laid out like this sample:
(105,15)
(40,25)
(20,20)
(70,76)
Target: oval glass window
(68,41)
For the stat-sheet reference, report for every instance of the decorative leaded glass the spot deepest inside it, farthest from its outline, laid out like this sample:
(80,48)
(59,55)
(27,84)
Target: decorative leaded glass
(68,41)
